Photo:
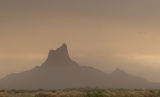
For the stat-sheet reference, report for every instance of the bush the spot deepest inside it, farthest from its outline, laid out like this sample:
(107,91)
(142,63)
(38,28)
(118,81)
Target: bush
(94,93)
(3,94)
(44,94)
(63,95)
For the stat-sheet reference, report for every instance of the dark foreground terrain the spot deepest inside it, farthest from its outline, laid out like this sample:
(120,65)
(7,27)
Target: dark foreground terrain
(87,92)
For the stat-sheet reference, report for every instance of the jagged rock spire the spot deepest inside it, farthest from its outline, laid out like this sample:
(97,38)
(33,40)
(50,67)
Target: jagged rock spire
(59,52)
(58,56)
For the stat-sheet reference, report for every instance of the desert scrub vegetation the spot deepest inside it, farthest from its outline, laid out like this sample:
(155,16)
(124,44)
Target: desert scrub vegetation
(60,93)
(82,92)
(3,94)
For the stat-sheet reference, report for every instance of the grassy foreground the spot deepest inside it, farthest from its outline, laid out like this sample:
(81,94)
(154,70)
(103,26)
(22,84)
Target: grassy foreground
(87,92)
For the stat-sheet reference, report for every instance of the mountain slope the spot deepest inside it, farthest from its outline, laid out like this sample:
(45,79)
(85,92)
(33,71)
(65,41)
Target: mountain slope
(119,79)
(59,72)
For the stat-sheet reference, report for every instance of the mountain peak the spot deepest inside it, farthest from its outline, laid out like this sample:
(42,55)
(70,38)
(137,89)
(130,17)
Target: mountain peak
(63,50)
(118,71)
(64,45)
(58,56)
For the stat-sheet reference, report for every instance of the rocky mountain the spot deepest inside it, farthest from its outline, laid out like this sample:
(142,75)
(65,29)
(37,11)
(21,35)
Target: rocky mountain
(121,79)
(59,71)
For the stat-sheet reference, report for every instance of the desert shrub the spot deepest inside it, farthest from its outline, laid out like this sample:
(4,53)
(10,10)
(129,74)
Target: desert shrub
(14,91)
(40,94)
(63,95)
(45,94)
(3,94)
(71,94)
(94,93)
(2,90)
(59,92)
(51,95)
(75,93)
(158,93)
(85,92)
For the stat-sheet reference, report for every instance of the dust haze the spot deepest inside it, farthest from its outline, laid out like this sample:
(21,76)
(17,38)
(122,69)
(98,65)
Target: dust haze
(104,34)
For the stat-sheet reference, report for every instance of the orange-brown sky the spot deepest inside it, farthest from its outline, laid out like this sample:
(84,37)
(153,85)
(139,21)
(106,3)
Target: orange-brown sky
(104,34)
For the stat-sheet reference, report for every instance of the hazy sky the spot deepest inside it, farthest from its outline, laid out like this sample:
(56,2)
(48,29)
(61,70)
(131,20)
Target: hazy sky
(104,34)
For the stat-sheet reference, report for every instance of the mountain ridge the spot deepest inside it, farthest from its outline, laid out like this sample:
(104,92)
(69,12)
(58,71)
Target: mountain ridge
(59,71)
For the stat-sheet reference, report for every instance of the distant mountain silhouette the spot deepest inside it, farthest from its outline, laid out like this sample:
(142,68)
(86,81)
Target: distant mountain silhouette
(59,72)
(120,79)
